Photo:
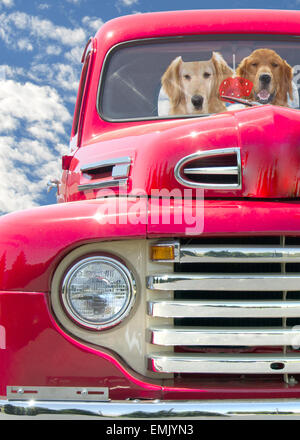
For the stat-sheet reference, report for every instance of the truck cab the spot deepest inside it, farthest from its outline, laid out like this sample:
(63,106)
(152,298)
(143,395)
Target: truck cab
(166,280)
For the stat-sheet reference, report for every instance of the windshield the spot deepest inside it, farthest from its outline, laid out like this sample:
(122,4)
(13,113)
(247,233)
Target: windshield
(193,78)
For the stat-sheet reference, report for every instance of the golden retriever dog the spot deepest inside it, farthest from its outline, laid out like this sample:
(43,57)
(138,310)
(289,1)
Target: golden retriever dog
(271,77)
(193,87)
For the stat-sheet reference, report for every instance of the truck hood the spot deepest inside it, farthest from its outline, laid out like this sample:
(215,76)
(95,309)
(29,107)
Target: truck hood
(264,141)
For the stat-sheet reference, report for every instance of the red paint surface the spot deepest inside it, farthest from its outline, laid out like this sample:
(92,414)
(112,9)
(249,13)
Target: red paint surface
(36,351)
(33,242)
(39,353)
(267,136)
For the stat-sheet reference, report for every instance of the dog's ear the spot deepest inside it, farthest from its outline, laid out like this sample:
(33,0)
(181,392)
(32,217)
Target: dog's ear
(171,81)
(242,68)
(287,79)
(285,86)
(223,71)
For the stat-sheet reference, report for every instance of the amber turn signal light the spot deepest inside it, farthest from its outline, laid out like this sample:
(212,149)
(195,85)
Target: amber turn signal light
(162,252)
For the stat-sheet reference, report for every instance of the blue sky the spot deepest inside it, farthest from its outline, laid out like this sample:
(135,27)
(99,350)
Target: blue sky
(41,44)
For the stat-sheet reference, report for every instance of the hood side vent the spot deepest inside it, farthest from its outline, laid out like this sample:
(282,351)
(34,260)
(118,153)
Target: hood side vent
(211,169)
(112,172)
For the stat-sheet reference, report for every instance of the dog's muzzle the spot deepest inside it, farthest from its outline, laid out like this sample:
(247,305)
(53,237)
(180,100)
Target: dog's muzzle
(197,101)
(264,96)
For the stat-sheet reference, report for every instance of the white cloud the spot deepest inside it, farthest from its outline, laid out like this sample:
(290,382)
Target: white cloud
(40,32)
(26,166)
(7,3)
(31,155)
(47,30)
(10,72)
(43,6)
(74,55)
(57,75)
(14,24)
(127,2)
(24,44)
(93,23)
(53,50)
(31,102)
(35,122)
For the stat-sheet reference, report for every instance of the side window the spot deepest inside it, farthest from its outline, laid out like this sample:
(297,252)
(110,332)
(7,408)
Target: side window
(86,58)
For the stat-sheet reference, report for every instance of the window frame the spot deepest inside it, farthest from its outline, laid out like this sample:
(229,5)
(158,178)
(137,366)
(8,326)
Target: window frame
(180,38)
(86,60)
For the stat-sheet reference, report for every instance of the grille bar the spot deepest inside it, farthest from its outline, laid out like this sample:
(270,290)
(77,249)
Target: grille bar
(227,364)
(232,254)
(224,309)
(224,282)
(224,336)
(239,254)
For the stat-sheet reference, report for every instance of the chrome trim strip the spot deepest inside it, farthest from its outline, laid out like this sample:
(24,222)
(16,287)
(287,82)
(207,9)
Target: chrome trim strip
(152,409)
(235,282)
(57,393)
(231,254)
(105,163)
(207,153)
(224,309)
(220,363)
(120,171)
(212,170)
(223,336)
(102,184)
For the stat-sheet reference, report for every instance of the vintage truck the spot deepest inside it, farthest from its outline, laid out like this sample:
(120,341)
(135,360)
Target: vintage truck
(166,280)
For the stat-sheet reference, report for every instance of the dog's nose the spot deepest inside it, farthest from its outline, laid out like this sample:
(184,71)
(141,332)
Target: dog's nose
(265,78)
(197,101)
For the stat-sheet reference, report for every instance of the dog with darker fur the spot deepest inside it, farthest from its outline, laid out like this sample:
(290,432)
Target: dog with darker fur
(271,77)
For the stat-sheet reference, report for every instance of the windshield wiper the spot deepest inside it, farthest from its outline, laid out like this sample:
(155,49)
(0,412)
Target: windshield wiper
(241,101)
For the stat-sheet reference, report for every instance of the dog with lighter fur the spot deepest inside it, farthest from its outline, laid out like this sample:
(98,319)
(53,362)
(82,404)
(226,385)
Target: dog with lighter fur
(193,87)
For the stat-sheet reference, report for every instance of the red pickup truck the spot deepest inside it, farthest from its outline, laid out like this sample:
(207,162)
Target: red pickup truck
(166,280)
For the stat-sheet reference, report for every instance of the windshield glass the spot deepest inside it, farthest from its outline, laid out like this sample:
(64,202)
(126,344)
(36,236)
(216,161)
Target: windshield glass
(191,78)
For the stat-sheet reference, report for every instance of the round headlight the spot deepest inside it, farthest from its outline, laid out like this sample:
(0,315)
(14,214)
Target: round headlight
(98,292)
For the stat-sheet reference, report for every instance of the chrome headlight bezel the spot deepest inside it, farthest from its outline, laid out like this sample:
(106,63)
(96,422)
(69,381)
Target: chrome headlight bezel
(116,318)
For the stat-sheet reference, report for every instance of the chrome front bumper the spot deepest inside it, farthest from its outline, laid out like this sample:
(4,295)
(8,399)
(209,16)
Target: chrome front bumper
(148,410)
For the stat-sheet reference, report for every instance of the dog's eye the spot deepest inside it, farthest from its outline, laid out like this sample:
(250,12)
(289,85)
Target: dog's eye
(254,64)
(274,64)
(188,77)
(206,75)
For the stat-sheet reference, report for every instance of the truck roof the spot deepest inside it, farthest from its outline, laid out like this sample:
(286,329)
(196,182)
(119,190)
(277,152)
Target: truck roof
(229,21)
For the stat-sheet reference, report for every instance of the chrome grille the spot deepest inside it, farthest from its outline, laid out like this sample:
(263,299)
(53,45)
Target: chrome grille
(236,308)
